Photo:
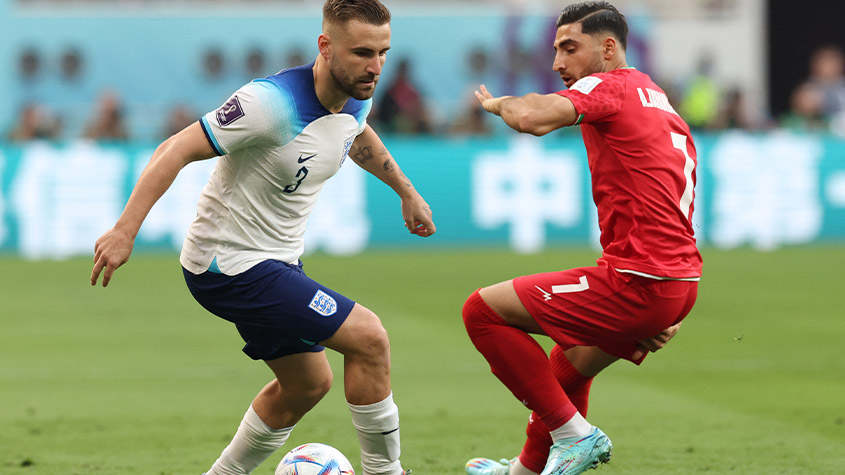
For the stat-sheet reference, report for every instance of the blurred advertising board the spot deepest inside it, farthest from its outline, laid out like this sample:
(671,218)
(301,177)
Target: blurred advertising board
(526,193)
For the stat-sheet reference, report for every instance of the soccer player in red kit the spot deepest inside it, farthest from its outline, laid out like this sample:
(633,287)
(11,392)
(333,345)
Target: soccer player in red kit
(642,162)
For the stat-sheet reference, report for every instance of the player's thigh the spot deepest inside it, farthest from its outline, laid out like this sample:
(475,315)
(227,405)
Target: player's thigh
(361,333)
(502,299)
(302,371)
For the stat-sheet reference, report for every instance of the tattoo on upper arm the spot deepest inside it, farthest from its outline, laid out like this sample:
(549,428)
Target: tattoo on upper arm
(362,155)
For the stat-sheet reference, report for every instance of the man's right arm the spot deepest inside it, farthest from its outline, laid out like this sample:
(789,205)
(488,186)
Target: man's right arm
(113,248)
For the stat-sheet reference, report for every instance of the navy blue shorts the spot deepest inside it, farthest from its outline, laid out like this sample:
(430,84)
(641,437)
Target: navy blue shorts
(277,309)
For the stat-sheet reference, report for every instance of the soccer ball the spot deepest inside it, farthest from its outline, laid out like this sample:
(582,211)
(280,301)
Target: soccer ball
(314,459)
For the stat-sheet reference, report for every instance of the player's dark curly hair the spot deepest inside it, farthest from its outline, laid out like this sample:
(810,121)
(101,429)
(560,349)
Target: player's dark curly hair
(596,17)
(367,11)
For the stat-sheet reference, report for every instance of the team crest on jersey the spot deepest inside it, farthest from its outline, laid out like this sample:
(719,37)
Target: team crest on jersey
(323,303)
(586,84)
(346,146)
(230,112)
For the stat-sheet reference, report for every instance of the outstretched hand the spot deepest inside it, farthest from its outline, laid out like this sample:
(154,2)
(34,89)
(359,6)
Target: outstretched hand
(111,251)
(487,100)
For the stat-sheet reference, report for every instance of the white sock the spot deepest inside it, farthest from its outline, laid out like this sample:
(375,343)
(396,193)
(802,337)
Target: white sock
(378,433)
(575,427)
(253,443)
(518,469)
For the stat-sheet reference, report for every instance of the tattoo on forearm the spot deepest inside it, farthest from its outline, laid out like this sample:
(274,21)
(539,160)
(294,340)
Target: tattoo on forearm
(406,181)
(388,165)
(362,155)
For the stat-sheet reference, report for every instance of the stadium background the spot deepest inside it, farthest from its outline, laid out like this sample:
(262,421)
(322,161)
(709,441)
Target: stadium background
(770,215)
(761,186)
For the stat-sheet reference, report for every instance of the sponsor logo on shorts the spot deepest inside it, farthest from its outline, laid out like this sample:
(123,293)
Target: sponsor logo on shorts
(323,303)
(230,112)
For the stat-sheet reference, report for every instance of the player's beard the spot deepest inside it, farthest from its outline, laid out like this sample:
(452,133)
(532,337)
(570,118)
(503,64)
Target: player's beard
(351,86)
(596,66)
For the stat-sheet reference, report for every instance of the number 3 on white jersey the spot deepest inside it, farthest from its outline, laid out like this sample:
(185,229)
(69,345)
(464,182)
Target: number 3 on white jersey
(680,142)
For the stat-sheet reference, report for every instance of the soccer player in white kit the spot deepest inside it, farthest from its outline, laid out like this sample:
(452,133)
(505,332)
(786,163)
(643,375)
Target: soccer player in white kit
(279,139)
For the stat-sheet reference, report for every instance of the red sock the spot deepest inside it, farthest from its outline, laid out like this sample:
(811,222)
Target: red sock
(575,384)
(535,453)
(518,361)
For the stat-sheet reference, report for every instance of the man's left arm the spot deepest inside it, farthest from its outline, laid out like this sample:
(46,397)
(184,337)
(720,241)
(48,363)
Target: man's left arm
(369,153)
(536,114)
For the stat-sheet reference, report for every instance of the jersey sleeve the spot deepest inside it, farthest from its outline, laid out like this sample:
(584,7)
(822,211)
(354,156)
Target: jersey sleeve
(256,114)
(360,110)
(595,97)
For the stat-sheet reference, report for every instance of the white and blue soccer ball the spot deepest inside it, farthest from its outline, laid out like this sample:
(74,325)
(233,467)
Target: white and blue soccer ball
(314,459)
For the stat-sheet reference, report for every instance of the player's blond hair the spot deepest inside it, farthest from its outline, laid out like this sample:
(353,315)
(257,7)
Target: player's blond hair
(368,11)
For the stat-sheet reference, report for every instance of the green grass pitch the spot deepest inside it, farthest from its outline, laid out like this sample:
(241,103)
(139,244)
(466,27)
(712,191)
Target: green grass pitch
(138,379)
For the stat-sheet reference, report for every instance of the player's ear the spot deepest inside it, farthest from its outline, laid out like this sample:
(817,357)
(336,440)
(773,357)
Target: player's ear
(610,46)
(323,44)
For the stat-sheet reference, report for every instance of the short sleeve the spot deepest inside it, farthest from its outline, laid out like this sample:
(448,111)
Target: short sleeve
(595,97)
(256,114)
(362,117)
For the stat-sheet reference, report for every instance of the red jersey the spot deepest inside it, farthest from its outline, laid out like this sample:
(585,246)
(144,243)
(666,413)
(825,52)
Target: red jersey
(642,162)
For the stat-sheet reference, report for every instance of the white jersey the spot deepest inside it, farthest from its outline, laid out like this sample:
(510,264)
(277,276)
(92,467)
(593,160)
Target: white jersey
(278,146)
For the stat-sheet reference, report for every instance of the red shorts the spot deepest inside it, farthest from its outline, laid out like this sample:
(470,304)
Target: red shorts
(598,306)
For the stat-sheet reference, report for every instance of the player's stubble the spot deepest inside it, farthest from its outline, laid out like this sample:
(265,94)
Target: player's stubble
(351,86)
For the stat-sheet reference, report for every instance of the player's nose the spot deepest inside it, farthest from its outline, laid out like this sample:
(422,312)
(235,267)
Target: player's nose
(374,66)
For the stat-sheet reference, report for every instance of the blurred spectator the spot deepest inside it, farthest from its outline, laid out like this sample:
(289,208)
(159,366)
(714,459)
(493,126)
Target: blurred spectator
(818,103)
(32,84)
(255,64)
(700,96)
(29,64)
(70,90)
(218,78)
(806,110)
(517,61)
(294,58)
(35,122)
(212,63)
(180,116)
(401,109)
(108,121)
(71,64)
(733,113)
(472,120)
(827,74)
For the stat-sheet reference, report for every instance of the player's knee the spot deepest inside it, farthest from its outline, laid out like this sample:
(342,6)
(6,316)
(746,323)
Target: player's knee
(299,395)
(372,338)
(478,315)
(318,388)
(313,390)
